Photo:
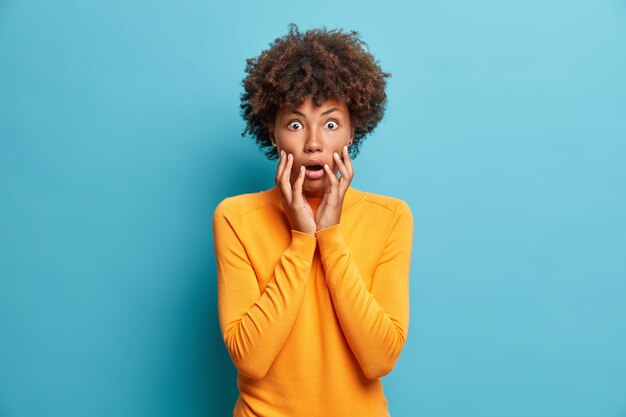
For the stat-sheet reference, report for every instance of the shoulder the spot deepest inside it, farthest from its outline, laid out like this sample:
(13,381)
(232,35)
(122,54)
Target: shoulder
(241,204)
(392,205)
(384,217)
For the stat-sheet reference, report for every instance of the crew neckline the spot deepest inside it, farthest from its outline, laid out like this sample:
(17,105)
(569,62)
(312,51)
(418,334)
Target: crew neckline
(352,197)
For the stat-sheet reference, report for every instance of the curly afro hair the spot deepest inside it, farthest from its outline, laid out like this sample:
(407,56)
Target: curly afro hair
(321,64)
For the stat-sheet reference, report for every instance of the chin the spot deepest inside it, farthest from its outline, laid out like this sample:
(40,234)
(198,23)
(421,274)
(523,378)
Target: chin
(314,185)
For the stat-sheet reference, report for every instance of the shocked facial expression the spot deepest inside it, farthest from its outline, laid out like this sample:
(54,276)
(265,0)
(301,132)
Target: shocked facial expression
(312,134)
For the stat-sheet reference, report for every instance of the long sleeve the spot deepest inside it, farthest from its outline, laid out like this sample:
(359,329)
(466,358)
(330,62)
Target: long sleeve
(374,323)
(255,326)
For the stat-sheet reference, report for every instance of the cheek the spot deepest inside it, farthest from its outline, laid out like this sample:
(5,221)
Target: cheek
(288,149)
(339,139)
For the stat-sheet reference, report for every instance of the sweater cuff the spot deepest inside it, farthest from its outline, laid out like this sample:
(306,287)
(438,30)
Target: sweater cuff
(330,239)
(302,244)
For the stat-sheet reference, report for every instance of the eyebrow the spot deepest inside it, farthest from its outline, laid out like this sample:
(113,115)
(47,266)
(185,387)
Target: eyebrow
(323,114)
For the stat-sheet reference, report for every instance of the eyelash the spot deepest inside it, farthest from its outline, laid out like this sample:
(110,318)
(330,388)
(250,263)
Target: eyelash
(332,120)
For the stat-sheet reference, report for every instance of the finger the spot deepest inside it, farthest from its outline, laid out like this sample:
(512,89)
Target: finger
(334,182)
(347,161)
(346,177)
(342,167)
(281,166)
(284,178)
(297,186)
(279,172)
(331,174)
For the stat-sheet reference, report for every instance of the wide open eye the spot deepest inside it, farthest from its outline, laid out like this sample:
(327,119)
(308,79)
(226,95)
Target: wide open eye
(332,124)
(294,125)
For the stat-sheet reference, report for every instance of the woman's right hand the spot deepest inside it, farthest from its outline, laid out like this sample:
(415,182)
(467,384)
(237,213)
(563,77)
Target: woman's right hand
(296,207)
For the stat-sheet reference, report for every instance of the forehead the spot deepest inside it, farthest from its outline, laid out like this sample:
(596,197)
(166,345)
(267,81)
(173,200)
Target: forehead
(310,109)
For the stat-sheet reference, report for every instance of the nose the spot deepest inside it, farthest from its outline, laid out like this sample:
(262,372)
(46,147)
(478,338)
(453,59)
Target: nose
(313,141)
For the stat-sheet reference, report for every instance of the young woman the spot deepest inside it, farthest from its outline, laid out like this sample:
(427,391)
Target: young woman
(313,275)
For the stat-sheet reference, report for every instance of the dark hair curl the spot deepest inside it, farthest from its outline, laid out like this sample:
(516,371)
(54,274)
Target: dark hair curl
(321,64)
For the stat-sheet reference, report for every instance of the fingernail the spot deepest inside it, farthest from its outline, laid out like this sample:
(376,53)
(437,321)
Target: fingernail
(301,168)
(326,166)
(336,154)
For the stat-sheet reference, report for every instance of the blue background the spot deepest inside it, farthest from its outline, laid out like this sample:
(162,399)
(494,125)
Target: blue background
(120,133)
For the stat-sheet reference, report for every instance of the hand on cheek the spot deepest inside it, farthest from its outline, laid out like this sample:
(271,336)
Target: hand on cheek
(297,208)
(329,211)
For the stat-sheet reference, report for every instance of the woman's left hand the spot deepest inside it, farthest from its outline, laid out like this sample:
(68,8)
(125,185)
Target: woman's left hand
(329,211)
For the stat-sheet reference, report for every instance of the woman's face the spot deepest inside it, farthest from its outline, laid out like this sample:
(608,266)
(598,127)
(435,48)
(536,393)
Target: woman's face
(312,134)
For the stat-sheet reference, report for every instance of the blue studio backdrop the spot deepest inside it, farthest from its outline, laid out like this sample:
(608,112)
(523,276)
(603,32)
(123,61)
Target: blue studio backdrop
(120,133)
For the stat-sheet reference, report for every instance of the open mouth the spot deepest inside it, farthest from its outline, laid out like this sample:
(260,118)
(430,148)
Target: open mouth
(314,170)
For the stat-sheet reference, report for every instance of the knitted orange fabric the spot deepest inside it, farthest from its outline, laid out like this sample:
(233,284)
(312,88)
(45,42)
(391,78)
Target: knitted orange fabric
(313,322)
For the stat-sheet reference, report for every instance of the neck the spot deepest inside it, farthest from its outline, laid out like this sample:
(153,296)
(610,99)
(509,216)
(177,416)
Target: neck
(313,194)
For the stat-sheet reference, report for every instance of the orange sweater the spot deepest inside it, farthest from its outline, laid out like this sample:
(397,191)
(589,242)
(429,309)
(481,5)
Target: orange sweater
(312,322)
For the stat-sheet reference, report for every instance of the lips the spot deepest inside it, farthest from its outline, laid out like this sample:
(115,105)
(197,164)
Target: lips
(314,169)
(314,164)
